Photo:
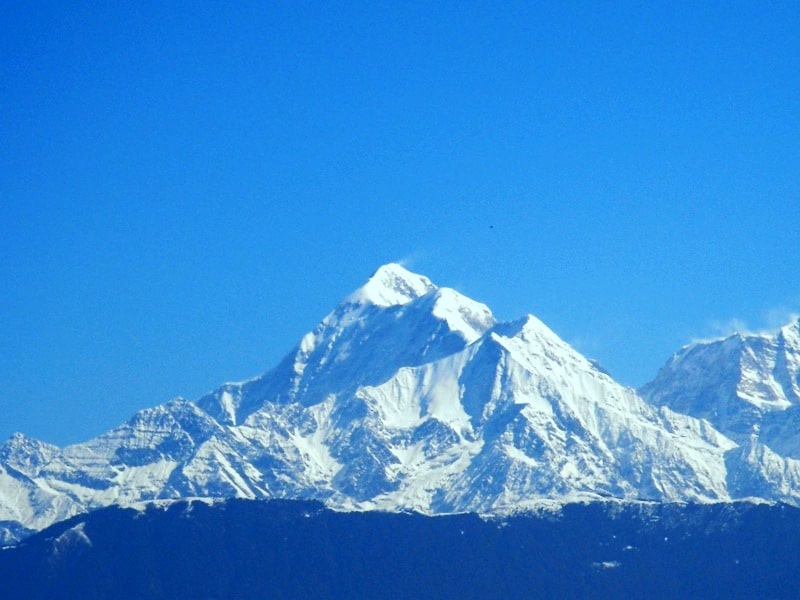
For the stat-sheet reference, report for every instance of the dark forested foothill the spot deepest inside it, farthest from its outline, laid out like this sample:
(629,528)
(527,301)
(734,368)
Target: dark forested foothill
(294,549)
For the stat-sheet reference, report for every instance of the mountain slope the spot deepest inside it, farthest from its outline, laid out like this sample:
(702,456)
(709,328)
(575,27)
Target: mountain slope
(737,383)
(405,396)
(396,319)
(539,420)
(748,387)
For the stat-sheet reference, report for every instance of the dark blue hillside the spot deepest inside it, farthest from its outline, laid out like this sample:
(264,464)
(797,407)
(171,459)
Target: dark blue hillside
(293,549)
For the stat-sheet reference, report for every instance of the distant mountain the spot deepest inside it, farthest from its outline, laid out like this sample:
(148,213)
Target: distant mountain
(407,396)
(289,549)
(748,388)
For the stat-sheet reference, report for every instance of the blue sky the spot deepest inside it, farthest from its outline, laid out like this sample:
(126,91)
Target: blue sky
(186,190)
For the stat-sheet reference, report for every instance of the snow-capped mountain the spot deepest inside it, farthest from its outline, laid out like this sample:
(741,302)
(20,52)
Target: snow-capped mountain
(748,387)
(406,396)
(397,319)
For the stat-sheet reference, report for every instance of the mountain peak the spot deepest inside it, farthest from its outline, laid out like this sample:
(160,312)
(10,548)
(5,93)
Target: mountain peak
(20,440)
(25,453)
(392,285)
(792,328)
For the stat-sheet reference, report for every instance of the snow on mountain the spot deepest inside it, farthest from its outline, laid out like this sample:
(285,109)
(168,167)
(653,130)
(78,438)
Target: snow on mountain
(549,424)
(748,387)
(405,396)
(25,502)
(396,319)
(26,454)
(391,285)
(743,384)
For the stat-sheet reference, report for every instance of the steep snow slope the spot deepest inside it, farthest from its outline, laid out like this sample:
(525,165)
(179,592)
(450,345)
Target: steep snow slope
(744,384)
(396,319)
(26,503)
(748,387)
(536,419)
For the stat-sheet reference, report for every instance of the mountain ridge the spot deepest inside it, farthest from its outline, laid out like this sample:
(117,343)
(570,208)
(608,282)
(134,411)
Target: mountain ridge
(406,396)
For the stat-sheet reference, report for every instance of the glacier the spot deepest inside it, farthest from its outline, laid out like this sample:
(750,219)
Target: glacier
(410,396)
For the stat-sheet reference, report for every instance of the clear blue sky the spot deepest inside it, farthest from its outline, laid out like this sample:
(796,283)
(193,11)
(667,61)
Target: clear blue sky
(185,191)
